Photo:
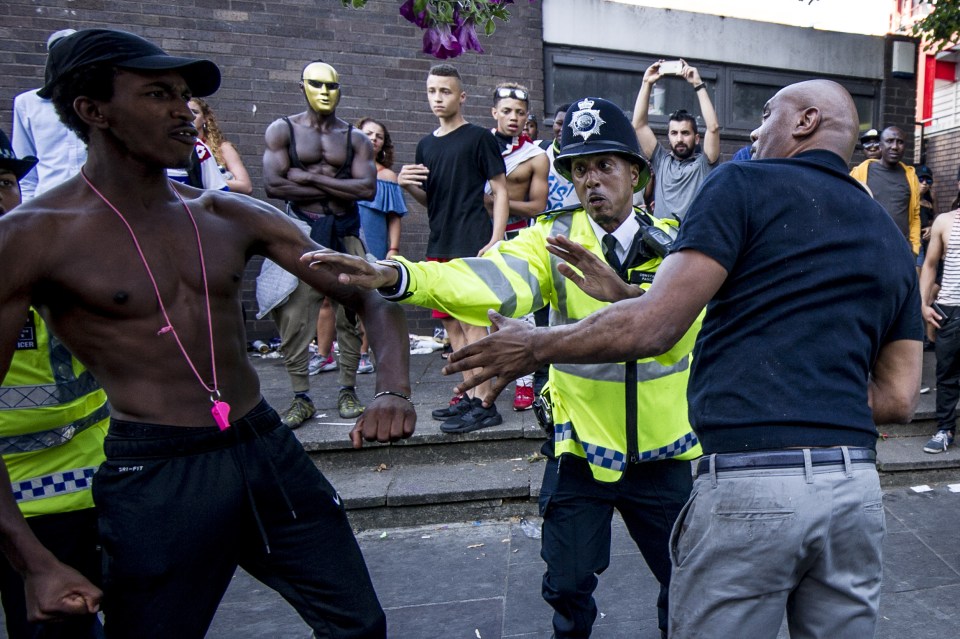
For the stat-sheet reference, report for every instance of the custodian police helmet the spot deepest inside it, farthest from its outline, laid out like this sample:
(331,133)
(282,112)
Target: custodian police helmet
(593,126)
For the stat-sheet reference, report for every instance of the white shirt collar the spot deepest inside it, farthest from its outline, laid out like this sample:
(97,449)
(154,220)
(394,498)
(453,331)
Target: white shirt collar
(624,234)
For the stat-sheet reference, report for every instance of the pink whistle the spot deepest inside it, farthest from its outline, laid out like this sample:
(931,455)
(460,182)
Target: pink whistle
(221,414)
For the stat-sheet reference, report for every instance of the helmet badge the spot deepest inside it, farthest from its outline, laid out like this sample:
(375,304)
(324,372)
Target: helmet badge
(587,120)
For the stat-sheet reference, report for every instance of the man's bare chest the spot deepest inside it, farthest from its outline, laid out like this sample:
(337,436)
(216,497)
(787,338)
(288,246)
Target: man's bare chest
(326,152)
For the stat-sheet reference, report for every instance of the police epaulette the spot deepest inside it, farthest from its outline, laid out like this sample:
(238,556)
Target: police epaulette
(560,211)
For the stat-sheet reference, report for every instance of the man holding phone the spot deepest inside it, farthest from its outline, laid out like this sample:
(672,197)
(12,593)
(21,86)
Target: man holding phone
(681,171)
(941,312)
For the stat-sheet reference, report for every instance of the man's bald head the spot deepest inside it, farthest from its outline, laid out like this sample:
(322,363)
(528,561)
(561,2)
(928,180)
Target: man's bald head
(816,114)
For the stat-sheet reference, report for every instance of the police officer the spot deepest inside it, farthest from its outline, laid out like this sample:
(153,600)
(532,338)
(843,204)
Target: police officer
(53,417)
(620,433)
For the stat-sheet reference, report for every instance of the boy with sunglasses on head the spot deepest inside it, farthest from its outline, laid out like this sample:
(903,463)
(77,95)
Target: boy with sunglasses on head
(453,164)
(527,170)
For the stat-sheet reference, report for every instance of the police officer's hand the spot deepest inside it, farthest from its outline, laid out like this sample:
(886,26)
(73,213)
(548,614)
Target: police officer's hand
(352,269)
(59,591)
(505,354)
(598,279)
(386,419)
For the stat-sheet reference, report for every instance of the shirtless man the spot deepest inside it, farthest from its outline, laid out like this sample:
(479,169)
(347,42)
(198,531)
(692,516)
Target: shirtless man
(321,166)
(527,170)
(140,277)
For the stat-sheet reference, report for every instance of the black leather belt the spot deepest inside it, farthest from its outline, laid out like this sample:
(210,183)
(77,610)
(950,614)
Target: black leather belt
(784,459)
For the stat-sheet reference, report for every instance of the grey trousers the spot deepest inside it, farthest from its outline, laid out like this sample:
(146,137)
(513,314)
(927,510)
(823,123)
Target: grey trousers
(753,543)
(296,320)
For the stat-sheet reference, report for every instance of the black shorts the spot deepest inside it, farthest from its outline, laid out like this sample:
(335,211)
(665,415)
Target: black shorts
(181,508)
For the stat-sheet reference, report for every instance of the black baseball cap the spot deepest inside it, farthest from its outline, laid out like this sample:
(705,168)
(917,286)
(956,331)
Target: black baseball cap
(9,160)
(125,51)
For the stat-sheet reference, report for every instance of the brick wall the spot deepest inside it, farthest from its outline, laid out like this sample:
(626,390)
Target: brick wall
(943,158)
(898,101)
(261,48)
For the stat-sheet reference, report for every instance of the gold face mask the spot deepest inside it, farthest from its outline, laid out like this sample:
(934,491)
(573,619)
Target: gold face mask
(321,85)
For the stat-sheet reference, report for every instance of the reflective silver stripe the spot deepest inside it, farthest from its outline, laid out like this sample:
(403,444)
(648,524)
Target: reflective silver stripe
(646,371)
(494,278)
(62,482)
(16,397)
(31,442)
(522,268)
(558,314)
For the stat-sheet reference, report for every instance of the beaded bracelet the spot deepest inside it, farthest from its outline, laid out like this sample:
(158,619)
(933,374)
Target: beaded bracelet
(395,394)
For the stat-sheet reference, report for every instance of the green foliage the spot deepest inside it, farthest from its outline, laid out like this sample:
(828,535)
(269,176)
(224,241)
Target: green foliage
(941,27)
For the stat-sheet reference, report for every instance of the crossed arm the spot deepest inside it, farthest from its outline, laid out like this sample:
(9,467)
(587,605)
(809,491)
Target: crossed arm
(285,182)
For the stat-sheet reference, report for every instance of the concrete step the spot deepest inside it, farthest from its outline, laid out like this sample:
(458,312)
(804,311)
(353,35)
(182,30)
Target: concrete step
(433,477)
(416,494)
(329,446)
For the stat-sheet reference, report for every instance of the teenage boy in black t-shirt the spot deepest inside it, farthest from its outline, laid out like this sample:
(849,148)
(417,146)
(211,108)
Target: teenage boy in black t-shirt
(453,165)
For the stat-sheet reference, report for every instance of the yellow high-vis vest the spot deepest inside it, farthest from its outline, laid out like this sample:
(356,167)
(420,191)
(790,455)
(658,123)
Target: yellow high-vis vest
(595,416)
(53,418)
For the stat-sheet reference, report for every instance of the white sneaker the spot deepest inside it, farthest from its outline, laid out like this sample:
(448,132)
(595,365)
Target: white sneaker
(319,364)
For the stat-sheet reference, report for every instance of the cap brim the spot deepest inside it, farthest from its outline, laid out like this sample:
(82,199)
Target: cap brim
(19,167)
(202,76)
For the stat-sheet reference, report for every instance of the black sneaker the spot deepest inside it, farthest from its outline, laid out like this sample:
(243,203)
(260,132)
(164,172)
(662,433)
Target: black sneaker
(455,409)
(478,417)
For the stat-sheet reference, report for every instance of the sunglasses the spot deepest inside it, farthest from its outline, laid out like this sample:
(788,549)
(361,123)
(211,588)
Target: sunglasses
(926,180)
(507,92)
(316,84)
(871,145)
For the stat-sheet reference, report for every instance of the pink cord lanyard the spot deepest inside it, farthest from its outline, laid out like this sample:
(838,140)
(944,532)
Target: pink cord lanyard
(220,410)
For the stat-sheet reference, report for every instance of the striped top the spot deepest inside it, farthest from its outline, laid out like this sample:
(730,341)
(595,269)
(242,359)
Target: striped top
(950,284)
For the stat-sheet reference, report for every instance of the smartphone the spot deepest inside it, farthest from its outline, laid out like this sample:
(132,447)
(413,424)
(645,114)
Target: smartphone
(939,311)
(671,67)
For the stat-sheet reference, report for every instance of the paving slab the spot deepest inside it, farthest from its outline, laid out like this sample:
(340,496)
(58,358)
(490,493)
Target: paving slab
(433,586)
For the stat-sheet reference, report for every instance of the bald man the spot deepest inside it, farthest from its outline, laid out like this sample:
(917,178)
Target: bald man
(805,346)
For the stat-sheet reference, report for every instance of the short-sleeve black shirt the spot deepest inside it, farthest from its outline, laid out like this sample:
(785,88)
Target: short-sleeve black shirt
(819,278)
(460,164)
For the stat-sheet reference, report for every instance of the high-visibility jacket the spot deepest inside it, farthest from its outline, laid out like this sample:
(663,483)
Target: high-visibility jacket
(53,418)
(595,415)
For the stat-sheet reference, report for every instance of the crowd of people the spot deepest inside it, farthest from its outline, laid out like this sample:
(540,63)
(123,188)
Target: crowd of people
(642,297)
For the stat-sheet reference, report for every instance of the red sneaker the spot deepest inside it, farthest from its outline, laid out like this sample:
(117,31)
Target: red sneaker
(523,398)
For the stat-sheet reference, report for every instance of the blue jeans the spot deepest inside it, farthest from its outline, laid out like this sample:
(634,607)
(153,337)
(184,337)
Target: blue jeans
(753,543)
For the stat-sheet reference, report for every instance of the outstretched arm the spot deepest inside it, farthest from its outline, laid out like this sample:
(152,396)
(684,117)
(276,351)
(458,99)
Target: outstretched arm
(711,137)
(685,282)
(641,123)
(389,417)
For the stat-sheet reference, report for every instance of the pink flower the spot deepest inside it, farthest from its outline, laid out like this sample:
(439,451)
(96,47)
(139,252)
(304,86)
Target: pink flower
(439,42)
(419,19)
(466,34)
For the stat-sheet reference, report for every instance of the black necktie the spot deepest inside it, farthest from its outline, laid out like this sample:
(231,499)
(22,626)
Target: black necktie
(610,252)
